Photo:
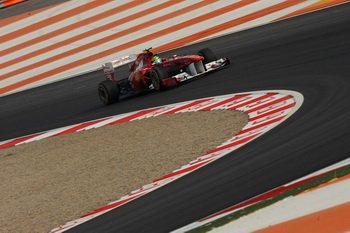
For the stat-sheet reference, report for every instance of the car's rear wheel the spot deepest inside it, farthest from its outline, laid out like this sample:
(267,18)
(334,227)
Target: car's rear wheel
(108,92)
(158,74)
(208,54)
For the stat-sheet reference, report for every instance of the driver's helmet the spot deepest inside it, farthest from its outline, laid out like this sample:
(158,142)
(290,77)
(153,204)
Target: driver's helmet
(156,59)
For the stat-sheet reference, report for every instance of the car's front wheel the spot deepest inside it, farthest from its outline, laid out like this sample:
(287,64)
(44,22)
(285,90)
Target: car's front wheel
(108,92)
(158,74)
(208,54)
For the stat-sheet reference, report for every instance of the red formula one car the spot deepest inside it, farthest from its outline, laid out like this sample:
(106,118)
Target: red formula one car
(148,71)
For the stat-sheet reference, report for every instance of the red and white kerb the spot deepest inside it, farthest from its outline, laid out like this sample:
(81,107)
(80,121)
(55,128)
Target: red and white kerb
(266,110)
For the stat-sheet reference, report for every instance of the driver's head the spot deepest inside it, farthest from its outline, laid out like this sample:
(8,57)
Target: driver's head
(156,59)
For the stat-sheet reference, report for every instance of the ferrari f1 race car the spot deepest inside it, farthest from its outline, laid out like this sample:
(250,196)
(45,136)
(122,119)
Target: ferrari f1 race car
(148,71)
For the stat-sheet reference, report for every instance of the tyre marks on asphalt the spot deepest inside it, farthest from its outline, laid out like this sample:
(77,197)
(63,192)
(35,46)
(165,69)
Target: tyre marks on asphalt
(319,5)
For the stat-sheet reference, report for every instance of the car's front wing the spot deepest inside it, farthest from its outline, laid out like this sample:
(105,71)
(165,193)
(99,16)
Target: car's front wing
(192,71)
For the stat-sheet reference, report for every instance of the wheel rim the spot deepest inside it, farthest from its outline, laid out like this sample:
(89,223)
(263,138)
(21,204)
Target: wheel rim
(155,80)
(102,94)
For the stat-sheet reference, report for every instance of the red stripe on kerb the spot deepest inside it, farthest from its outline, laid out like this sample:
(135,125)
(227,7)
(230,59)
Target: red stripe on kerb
(273,112)
(78,127)
(111,206)
(19,140)
(232,99)
(105,208)
(269,105)
(261,125)
(252,101)
(133,116)
(182,171)
(11,2)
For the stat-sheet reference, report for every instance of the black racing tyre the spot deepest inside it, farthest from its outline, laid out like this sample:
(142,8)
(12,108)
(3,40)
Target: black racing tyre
(208,55)
(158,74)
(108,92)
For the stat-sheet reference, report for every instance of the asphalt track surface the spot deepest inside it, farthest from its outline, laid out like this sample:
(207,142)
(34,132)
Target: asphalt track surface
(309,54)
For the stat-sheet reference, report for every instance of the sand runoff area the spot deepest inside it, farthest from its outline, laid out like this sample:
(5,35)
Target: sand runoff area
(47,183)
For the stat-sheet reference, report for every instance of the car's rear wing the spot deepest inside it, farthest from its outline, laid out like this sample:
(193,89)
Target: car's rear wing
(108,68)
(124,60)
